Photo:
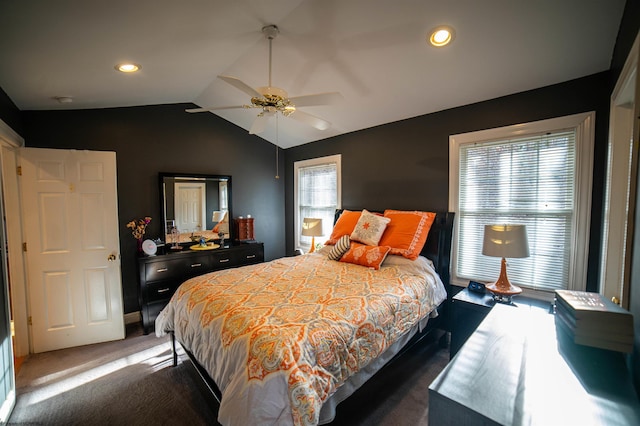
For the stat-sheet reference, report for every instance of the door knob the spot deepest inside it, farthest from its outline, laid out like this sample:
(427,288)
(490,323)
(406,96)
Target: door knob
(111,257)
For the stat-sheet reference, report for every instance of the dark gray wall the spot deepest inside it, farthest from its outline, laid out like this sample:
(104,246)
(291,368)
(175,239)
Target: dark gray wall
(153,139)
(10,114)
(405,165)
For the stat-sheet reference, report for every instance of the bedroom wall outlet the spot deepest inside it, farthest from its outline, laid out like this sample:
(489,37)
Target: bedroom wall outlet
(476,287)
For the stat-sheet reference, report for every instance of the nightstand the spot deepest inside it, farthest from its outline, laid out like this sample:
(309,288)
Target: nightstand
(468,310)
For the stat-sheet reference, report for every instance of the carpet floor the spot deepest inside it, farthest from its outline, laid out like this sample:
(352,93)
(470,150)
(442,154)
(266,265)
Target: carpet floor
(132,382)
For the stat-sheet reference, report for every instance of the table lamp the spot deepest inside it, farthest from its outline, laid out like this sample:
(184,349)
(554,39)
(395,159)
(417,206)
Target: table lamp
(505,241)
(312,227)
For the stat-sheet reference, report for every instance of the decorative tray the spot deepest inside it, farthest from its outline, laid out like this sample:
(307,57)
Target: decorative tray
(208,246)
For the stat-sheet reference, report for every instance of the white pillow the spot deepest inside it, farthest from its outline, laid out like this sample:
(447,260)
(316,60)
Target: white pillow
(369,228)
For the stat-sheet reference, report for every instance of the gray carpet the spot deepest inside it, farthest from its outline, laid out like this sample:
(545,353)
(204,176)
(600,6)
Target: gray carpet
(132,382)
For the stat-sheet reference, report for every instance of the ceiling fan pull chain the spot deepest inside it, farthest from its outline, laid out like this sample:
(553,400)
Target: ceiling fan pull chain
(277,149)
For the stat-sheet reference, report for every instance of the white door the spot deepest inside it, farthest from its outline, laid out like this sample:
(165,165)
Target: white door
(190,202)
(617,241)
(71,232)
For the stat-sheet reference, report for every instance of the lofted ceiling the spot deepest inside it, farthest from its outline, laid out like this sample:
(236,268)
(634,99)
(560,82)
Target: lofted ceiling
(374,52)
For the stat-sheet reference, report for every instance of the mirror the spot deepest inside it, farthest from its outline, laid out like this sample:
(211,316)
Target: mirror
(194,204)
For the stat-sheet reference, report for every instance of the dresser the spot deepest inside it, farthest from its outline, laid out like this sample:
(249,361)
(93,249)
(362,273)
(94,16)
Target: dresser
(161,275)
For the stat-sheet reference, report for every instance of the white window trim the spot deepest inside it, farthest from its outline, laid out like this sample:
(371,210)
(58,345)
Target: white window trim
(337,159)
(584,124)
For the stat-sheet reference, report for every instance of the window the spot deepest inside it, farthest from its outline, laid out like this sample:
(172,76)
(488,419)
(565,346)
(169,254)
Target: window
(317,186)
(538,174)
(223,197)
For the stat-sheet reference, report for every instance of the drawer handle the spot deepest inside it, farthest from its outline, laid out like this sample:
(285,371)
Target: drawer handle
(163,290)
(224,260)
(196,265)
(162,270)
(251,256)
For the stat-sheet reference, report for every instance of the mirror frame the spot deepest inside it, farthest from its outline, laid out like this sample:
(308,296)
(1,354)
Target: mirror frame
(194,176)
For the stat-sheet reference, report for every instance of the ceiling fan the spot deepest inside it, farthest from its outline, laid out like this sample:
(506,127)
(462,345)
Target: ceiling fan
(271,100)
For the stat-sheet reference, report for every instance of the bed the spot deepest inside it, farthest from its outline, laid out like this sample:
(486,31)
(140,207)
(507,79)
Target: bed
(283,342)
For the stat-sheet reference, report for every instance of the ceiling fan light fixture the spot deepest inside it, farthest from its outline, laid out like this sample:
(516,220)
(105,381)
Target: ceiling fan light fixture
(441,36)
(128,67)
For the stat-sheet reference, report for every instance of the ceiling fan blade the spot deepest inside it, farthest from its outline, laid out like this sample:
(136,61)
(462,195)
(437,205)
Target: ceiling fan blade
(260,123)
(239,84)
(312,120)
(213,108)
(328,98)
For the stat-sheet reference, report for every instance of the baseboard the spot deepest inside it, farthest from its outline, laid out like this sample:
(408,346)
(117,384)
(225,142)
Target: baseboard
(132,317)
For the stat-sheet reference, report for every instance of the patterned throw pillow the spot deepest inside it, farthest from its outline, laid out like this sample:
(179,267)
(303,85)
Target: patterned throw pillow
(369,228)
(370,256)
(341,247)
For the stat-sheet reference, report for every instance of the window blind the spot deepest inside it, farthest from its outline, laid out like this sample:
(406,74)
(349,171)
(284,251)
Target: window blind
(528,180)
(318,196)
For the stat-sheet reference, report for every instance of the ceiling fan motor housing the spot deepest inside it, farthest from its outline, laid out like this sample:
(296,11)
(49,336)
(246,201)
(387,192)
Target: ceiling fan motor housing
(273,98)
(270,31)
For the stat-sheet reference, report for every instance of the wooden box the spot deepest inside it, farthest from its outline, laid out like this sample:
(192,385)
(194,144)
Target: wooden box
(244,229)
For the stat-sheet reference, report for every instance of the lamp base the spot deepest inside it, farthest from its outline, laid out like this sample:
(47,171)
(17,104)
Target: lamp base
(502,289)
(313,245)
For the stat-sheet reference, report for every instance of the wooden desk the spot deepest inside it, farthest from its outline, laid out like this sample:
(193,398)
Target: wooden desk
(515,370)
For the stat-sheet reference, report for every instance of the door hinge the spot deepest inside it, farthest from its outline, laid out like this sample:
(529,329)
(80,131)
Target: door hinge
(19,170)
(29,320)
(24,246)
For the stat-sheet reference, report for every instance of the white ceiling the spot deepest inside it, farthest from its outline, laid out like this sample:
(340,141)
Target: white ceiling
(371,51)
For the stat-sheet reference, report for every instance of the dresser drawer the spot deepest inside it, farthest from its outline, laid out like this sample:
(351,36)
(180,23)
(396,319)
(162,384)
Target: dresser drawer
(177,268)
(164,270)
(249,254)
(198,265)
(160,290)
(221,260)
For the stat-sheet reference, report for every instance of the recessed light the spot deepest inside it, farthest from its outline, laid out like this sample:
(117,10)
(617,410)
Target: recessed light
(441,36)
(128,67)
(63,99)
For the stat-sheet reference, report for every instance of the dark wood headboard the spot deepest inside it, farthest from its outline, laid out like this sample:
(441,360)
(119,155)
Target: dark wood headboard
(438,245)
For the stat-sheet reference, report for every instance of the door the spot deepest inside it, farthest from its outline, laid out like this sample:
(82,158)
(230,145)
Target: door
(190,206)
(7,383)
(72,243)
(620,200)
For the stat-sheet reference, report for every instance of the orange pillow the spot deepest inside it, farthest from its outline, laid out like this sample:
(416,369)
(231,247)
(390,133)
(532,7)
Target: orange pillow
(407,232)
(345,225)
(369,256)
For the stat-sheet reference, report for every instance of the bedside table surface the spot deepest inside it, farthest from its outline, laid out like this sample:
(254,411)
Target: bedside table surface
(481,299)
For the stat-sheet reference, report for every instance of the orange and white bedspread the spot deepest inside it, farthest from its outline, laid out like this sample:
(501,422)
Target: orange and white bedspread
(279,338)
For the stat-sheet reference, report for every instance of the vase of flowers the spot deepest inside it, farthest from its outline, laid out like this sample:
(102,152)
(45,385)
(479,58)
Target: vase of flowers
(138,228)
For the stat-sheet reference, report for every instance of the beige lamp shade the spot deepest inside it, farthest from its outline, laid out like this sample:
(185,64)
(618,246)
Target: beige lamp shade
(218,215)
(508,241)
(312,227)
